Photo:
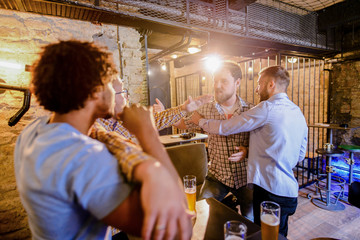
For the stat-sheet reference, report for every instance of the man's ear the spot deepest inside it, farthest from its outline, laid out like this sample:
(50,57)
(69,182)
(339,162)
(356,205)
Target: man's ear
(96,93)
(271,84)
(237,82)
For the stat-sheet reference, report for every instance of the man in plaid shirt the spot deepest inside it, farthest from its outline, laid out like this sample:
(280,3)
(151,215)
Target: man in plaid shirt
(227,168)
(162,119)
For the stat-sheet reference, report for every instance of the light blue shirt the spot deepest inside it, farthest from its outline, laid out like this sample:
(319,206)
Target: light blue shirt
(278,140)
(67,181)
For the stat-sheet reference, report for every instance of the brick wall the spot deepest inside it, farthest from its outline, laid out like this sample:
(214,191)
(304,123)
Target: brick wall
(21,38)
(344,101)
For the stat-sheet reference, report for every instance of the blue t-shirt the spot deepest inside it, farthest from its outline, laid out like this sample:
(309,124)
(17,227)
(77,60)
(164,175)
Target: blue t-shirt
(67,181)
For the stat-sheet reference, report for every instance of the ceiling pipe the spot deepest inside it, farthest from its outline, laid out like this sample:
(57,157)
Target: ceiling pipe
(178,46)
(169,48)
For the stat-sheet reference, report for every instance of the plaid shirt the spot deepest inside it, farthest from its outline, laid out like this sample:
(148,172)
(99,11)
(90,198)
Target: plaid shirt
(163,120)
(127,153)
(232,174)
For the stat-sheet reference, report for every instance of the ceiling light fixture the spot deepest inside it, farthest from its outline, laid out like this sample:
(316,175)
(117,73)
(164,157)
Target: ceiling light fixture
(174,56)
(193,49)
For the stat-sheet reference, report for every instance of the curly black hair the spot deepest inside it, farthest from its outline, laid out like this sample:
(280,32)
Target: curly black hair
(68,72)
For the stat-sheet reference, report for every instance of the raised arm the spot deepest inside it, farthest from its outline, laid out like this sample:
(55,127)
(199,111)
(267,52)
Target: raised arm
(173,116)
(160,206)
(245,122)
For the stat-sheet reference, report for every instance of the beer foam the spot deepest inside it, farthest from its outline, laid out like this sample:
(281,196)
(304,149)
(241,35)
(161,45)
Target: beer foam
(190,190)
(270,219)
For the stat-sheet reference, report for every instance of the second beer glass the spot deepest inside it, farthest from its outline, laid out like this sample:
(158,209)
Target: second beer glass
(190,191)
(270,220)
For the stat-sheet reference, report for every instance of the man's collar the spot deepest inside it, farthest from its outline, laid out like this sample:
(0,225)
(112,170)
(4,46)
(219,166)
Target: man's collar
(278,96)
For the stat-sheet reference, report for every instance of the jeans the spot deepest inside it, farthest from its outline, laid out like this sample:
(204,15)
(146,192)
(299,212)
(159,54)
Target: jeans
(287,207)
(214,188)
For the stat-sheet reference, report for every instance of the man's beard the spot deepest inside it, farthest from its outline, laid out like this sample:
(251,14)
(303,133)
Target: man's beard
(222,97)
(264,96)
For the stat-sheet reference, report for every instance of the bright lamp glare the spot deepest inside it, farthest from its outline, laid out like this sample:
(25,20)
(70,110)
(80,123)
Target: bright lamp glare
(292,60)
(212,63)
(11,65)
(163,67)
(193,50)
(174,56)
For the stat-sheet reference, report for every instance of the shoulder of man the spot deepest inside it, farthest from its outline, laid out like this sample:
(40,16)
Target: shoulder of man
(245,104)
(206,107)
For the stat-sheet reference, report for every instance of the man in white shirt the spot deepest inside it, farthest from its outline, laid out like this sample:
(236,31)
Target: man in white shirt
(278,141)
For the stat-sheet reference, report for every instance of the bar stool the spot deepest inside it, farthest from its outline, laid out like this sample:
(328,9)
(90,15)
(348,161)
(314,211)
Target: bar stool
(351,149)
(327,203)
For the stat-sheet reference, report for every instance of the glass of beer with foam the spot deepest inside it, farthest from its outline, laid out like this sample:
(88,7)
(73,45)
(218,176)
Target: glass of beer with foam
(234,230)
(270,220)
(190,191)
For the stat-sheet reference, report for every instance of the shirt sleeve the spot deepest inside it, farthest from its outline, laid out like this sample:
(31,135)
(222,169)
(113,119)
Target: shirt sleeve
(245,122)
(113,125)
(168,117)
(128,154)
(303,146)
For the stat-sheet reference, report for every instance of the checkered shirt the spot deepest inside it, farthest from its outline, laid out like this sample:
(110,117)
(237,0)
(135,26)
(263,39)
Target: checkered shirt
(163,120)
(232,174)
(127,153)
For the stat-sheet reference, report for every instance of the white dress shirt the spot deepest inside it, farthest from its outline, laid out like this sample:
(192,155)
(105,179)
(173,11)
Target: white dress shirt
(278,140)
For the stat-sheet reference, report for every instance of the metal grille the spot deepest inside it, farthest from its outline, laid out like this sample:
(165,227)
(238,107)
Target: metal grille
(264,19)
(309,90)
(274,20)
(188,85)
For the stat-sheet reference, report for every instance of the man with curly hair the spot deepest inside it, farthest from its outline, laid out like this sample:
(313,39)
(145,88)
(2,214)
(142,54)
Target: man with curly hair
(70,185)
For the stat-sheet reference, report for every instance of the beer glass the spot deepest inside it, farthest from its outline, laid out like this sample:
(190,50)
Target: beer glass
(270,220)
(234,230)
(190,191)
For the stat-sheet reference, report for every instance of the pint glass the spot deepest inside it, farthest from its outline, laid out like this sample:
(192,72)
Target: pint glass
(270,220)
(190,191)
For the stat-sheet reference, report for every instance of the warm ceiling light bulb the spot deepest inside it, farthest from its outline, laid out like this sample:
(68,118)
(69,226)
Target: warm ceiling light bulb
(163,66)
(193,50)
(212,63)
(250,69)
(174,56)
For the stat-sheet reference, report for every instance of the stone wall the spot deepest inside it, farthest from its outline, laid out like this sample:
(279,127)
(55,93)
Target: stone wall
(345,101)
(21,38)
